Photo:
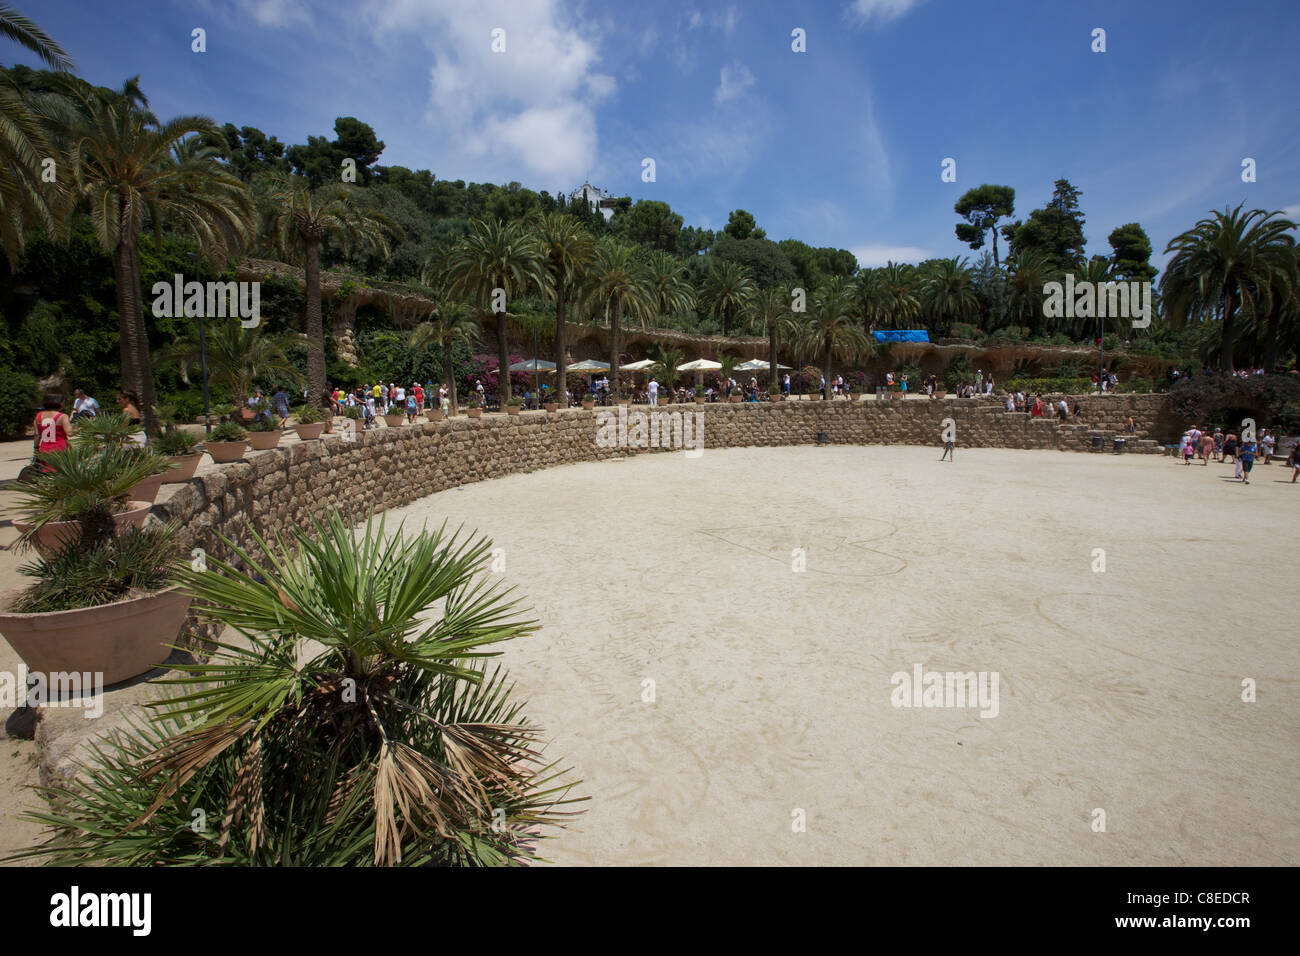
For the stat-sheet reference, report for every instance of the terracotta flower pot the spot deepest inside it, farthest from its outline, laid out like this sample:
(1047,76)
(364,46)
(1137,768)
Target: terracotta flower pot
(186,466)
(264,441)
(53,534)
(589,403)
(394,421)
(311,431)
(147,490)
(735,399)
(551,406)
(474,412)
(434,415)
(119,641)
(224,452)
(624,401)
(514,409)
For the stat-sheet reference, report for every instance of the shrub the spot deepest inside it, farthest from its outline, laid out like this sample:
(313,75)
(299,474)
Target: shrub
(18,402)
(227,431)
(134,559)
(962,330)
(175,441)
(311,415)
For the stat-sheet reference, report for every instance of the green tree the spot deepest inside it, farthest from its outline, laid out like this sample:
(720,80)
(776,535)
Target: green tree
(740,225)
(237,356)
(727,290)
(1227,262)
(649,223)
(761,259)
(1025,291)
(451,324)
(567,251)
(1055,231)
(300,221)
(982,207)
(898,289)
(670,290)
(497,259)
(1130,258)
(320,161)
(617,286)
(251,151)
(830,329)
(947,292)
(125,165)
(771,310)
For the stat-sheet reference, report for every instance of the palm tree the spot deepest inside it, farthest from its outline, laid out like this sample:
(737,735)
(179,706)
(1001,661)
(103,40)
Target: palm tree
(897,288)
(1274,322)
(451,324)
(300,220)
(830,329)
(871,298)
(1225,264)
(727,290)
(617,286)
(667,359)
(1026,289)
(567,250)
(25,140)
(360,669)
(771,309)
(947,291)
(237,356)
(496,259)
(124,166)
(669,287)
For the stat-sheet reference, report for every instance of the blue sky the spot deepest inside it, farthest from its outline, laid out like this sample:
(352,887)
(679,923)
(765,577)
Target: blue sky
(840,145)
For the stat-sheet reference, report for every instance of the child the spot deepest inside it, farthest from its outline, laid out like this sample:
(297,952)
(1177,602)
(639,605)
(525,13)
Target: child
(1188,451)
(1246,460)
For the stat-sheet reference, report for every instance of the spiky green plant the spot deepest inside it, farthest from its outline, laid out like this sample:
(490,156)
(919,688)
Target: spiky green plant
(85,483)
(135,559)
(358,726)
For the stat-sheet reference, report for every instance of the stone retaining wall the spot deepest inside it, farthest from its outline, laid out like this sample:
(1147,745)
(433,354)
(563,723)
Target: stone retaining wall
(385,468)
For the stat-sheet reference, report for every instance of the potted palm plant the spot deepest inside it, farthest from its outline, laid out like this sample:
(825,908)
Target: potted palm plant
(514,405)
(363,673)
(264,434)
(114,431)
(589,401)
(181,448)
(226,443)
(774,393)
(308,423)
(699,395)
(473,407)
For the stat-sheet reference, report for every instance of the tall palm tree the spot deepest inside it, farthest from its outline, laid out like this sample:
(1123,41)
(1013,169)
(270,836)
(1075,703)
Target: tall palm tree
(300,220)
(898,290)
(125,167)
(672,292)
(1223,265)
(496,256)
(617,286)
(1276,321)
(25,140)
(1025,300)
(871,298)
(727,290)
(237,356)
(947,292)
(567,251)
(451,324)
(830,328)
(771,309)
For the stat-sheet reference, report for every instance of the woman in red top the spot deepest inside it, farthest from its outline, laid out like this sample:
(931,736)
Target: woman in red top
(52,426)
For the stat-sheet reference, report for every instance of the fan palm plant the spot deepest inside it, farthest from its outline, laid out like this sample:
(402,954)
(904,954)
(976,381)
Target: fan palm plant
(617,286)
(237,356)
(300,221)
(667,361)
(124,167)
(947,292)
(364,674)
(1025,299)
(451,324)
(830,329)
(496,256)
(1223,265)
(727,290)
(770,309)
(567,250)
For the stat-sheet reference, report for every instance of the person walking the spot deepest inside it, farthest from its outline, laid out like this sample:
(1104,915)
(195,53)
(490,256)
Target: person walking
(653,391)
(949,447)
(280,402)
(785,385)
(1247,460)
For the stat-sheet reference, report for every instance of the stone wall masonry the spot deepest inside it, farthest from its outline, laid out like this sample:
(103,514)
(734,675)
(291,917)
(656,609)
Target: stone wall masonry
(287,487)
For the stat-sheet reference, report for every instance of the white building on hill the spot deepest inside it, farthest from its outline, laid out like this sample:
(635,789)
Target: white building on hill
(596,199)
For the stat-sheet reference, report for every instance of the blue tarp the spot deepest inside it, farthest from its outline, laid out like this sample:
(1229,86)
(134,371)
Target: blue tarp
(911,335)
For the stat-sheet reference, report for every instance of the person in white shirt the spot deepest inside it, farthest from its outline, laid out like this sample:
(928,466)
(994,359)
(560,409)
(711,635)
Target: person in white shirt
(1011,402)
(653,389)
(401,396)
(84,406)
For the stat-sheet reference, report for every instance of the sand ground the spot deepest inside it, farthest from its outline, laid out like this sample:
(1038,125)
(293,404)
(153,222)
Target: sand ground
(1119,690)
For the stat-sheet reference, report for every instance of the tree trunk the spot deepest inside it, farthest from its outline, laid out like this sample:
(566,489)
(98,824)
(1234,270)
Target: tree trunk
(994,230)
(1229,332)
(450,372)
(315,329)
(503,356)
(613,349)
(771,352)
(126,328)
(561,363)
(1270,344)
(138,368)
(826,390)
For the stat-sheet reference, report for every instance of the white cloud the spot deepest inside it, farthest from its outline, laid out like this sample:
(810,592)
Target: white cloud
(735,79)
(872,255)
(883,11)
(273,13)
(529,109)
(727,21)
(1292,212)
(695,20)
